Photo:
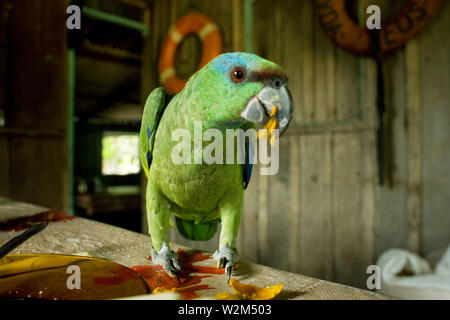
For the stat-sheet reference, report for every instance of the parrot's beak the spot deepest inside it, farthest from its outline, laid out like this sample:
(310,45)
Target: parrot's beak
(271,107)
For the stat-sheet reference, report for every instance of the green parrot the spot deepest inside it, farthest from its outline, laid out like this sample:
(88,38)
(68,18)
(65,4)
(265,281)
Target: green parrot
(233,91)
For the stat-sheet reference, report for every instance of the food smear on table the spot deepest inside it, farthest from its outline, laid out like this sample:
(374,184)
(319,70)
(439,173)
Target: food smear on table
(159,281)
(121,275)
(66,277)
(249,292)
(20,224)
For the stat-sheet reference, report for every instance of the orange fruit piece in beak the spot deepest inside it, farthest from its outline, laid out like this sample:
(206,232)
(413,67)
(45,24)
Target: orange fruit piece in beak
(270,125)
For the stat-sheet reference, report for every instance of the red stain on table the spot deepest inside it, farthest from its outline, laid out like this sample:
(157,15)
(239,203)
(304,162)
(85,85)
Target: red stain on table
(189,278)
(26,222)
(119,276)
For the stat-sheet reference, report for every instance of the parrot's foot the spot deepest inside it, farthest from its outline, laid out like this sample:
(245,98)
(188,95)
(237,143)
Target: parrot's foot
(167,259)
(227,257)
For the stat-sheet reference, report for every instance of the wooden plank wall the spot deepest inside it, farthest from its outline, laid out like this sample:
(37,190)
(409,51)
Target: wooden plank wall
(340,218)
(413,212)
(434,73)
(33,144)
(324,214)
(321,205)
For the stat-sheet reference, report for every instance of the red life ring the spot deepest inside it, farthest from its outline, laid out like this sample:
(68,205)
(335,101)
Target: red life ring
(192,23)
(347,34)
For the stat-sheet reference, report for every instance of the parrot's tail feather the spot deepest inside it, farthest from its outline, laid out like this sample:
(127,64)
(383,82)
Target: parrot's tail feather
(197,231)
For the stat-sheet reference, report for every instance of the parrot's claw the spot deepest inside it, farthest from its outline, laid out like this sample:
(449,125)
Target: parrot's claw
(177,277)
(228,270)
(227,258)
(168,260)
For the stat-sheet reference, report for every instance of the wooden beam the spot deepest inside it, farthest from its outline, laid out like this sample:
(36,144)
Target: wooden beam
(414,143)
(111,53)
(306,32)
(238,25)
(294,205)
(143,4)
(32,133)
(337,126)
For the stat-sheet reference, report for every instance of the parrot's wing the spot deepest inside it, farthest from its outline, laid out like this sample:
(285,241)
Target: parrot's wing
(153,110)
(248,165)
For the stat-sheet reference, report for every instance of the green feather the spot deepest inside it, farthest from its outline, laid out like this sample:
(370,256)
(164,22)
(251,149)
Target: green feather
(197,231)
(152,114)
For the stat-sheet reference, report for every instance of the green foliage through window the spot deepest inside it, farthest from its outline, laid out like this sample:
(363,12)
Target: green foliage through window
(120,154)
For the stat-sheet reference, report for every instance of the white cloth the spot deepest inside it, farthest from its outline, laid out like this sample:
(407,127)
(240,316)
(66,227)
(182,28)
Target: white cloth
(423,284)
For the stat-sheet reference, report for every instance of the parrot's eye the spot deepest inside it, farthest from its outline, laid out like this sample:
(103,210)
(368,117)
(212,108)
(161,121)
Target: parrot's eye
(238,74)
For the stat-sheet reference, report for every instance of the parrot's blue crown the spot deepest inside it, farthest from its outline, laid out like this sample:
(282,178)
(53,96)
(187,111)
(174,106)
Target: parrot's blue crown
(226,61)
(256,68)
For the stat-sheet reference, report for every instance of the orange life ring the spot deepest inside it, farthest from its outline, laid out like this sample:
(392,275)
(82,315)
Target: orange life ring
(192,23)
(347,34)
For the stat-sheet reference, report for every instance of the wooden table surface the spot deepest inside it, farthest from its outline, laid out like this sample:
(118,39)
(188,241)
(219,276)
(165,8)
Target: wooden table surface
(75,235)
